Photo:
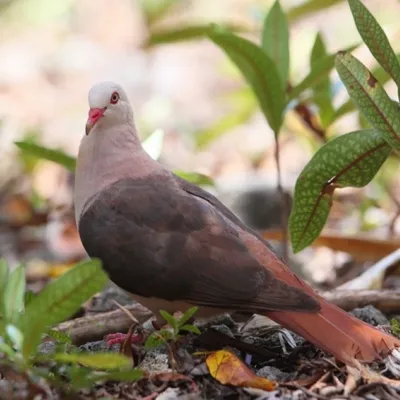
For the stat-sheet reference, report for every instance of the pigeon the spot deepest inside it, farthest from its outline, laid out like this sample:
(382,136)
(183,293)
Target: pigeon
(172,245)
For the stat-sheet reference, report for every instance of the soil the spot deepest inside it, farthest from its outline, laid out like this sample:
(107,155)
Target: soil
(302,372)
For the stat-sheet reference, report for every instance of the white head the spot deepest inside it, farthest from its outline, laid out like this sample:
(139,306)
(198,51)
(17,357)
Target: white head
(111,149)
(109,106)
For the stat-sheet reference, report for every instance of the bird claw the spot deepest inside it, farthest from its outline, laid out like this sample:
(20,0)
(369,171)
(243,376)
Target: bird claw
(120,338)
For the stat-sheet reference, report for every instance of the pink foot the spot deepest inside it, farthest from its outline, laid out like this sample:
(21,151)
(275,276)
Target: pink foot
(119,338)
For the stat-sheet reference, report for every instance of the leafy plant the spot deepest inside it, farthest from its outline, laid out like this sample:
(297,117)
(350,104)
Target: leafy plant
(173,333)
(266,69)
(354,158)
(26,319)
(395,326)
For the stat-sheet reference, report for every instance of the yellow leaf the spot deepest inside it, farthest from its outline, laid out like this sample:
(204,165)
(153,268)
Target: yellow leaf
(226,368)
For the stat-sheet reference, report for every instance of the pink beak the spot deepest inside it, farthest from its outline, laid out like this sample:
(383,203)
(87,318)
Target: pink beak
(94,115)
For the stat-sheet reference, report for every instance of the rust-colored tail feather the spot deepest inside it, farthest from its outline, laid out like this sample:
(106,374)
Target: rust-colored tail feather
(331,329)
(337,332)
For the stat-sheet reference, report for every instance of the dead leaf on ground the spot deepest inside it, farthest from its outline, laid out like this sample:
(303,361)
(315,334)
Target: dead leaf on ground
(226,368)
(361,247)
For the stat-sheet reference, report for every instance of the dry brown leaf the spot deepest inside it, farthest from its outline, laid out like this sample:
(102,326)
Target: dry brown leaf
(226,368)
(361,247)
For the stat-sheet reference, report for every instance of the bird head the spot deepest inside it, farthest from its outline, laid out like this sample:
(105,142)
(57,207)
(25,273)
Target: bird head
(108,105)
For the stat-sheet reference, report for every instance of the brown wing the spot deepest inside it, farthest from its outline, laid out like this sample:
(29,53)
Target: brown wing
(157,240)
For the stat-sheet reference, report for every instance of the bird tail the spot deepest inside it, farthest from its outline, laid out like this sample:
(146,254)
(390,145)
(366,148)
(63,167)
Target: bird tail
(337,332)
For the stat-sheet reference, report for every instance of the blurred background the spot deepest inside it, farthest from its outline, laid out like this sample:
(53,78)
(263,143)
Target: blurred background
(51,52)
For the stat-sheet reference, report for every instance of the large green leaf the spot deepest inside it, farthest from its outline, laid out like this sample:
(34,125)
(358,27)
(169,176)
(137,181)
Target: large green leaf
(184,33)
(376,40)
(101,361)
(259,70)
(322,90)
(45,153)
(59,300)
(275,40)
(352,160)
(305,9)
(380,74)
(14,295)
(372,100)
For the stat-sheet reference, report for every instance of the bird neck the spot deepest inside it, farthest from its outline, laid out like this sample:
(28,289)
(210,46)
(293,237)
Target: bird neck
(106,156)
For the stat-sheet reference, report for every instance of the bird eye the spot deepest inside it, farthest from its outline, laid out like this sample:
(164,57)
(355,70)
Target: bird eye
(114,98)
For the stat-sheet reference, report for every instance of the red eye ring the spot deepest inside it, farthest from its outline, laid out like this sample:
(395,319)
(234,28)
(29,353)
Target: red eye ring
(114,98)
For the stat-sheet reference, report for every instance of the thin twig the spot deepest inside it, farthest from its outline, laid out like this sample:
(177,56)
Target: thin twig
(387,301)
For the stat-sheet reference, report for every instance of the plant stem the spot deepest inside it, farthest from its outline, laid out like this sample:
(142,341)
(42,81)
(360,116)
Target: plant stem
(284,208)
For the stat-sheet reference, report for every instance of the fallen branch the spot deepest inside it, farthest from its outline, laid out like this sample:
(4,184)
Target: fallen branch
(95,327)
(387,301)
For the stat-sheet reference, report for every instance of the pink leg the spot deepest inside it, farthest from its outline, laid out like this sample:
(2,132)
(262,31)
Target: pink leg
(119,338)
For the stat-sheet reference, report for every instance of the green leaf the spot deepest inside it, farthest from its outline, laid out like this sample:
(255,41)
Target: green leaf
(372,100)
(259,71)
(14,295)
(154,143)
(376,40)
(225,124)
(319,71)
(3,282)
(380,74)
(184,33)
(345,108)
(158,338)
(82,377)
(187,315)
(169,318)
(190,328)
(195,178)
(59,336)
(395,326)
(352,160)
(59,300)
(275,40)
(156,9)
(322,90)
(28,297)
(122,376)
(7,350)
(100,361)
(45,153)
(310,7)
